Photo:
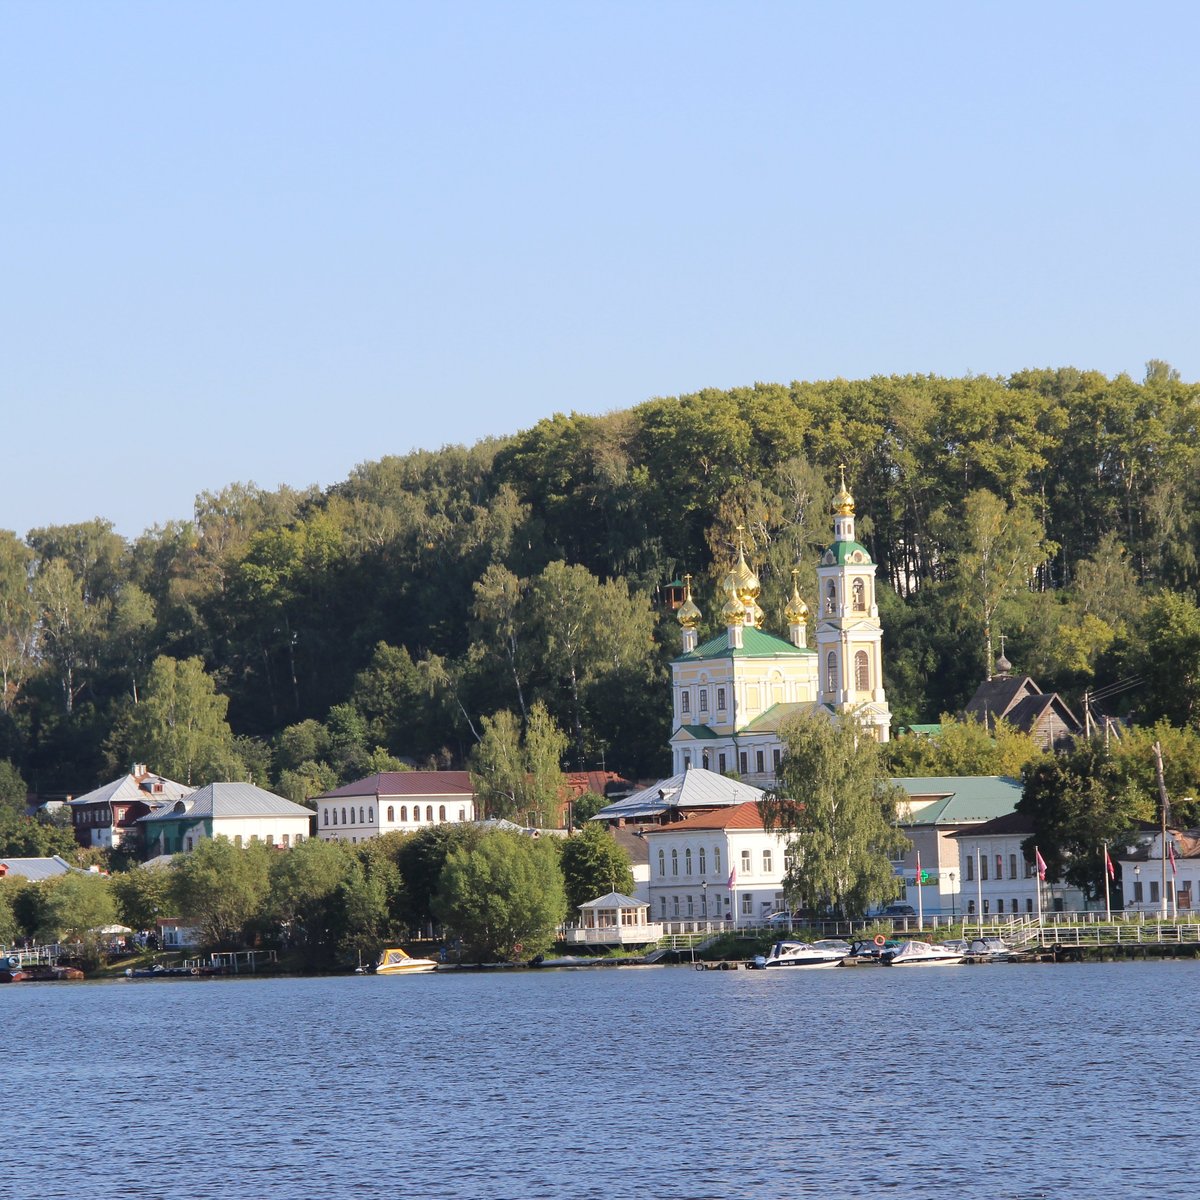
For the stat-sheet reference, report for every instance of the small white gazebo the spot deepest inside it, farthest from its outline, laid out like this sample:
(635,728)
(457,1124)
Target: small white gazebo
(615,919)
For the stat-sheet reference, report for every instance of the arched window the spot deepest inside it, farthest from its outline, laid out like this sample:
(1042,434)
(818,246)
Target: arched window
(830,597)
(325,814)
(361,819)
(429,812)
(662,864)
(862,672)
(859,592)
(716,860)
(702,871)
(674,862)
(441,812)
(335,816)
(462,814)
(344,821)
(391,812)
(687,861)
(831,674)
(371,814)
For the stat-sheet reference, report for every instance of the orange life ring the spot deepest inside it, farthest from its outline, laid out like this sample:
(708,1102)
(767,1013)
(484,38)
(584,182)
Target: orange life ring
(880,940)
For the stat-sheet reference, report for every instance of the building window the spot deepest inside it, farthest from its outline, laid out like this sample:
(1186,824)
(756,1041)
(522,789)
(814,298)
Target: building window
(999,866)
(416,814)
(746,868)
(462,814)
(702,870)
(687,861)
(429,812)
(720,699)
(1029,905)
(983,869)
(970,908)
(1137,892)
(830,597)
(970,868)
(986,909)
(704,699)
(675,905)
(685,702)
(862,672)
(859,592)
(776,756)
(716,860)
(721,763)
(1014,905)
(1029,870)
(831,673)
(704,760)
(1154,891)
(441,812)
(1012,866)
(747,904)
(1000,905)
(687,759)
(403,812)
(664,907)
(270,839)
(391,812)
(285,840)
(767,862)
(689,904)
(758,761)
(674,862)
(335,816)
(662,864)
(344,821)
(325,816)
(744,762)
(189,843)
(371,813)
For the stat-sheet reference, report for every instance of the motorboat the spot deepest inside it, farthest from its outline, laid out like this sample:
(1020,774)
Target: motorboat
(802,954)
(921,954)
(394,961)
(993,949)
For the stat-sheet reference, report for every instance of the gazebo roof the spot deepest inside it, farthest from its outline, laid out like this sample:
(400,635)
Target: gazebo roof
(615,900)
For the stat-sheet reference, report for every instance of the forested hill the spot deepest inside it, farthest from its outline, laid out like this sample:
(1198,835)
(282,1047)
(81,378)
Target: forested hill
(389,614)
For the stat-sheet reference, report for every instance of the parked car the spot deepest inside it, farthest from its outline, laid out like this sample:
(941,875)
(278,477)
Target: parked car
(897,910)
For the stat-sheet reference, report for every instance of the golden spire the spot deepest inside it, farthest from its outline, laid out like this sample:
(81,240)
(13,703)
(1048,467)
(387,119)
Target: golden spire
(689,615)
(843,501)
(744,583)
(796,611)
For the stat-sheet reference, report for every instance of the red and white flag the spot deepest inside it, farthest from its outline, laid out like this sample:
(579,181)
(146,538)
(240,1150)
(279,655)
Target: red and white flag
(1108,865)
(1041,864)
(1171,855)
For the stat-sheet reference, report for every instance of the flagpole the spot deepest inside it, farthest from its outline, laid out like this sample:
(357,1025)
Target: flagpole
(1107,901)
(1162,792)
(1041,874)
(978,894)
(920,896)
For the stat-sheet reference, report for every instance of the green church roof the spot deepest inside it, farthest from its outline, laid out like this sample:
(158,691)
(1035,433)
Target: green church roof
(769,721)
(701,732)
(755,644)
(842,553)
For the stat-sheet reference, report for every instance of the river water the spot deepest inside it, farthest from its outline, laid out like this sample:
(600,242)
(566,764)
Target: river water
(1002,1081)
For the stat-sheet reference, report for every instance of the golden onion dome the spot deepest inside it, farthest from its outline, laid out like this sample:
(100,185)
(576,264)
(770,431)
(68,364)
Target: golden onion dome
(843,501)
(689,616)
(796,611)
(756,613)
(742,579)
(733,612)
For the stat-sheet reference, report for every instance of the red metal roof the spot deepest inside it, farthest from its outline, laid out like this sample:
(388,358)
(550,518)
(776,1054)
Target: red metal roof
(736,816)
(406,783)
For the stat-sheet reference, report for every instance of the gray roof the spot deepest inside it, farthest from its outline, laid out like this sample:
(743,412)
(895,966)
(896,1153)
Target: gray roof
(135,787)
(37,868)
(615,900)
(694,788)
(228,801)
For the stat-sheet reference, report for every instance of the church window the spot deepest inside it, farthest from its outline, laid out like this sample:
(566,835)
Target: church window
(704,699)
(744,762)
(362,820)
(441,812)
(758,761)
(831,680)
(685,702)
(721,763)
(326,816)
(970,869)
(335,816)
(429,812)
(862,672)
(830,597)
(859,592)
(371,814)
(720,699)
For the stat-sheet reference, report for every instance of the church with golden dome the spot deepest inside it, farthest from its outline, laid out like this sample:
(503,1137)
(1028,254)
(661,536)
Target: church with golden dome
(732,693)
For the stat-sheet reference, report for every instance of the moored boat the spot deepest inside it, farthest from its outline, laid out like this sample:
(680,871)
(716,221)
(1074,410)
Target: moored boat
(11,970)
(802,954)
(920,954)
(394,961)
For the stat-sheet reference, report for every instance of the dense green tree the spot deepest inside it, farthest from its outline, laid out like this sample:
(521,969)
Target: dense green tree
(180,725)
(222,887)
(75,907)
(503,897)
(142,895)
(29,837)
(517,775)
(834,801)
(593,865)
(1165,653)
(303,886)
(10,927)
(18,618)
(420,858)
(963,747)
(13,790)
(1077,803)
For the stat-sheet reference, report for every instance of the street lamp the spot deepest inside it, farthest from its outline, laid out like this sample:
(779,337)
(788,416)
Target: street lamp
(952,907)
(704,901)
(1137,887)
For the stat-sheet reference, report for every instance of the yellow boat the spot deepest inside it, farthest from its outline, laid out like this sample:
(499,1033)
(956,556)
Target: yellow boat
(394,961)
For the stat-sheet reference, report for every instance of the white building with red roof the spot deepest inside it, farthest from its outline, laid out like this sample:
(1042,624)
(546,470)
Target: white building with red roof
(394,801)
(715,870)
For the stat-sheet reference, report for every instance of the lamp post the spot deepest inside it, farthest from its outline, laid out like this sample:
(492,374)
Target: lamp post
(704,901)
(1137,887)
(953,914)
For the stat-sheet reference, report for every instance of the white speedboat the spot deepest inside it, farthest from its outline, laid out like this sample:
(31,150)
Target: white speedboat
(921,954)
(394,961)
(802,954)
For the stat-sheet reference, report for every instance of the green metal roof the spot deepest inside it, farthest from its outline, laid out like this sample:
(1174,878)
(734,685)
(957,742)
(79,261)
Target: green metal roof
(701,732)
(961,798)
(841,553)
(755,644)
(769,721)
(924,730)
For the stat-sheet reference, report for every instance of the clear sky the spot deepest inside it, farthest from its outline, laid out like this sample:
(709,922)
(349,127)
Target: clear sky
(268,241)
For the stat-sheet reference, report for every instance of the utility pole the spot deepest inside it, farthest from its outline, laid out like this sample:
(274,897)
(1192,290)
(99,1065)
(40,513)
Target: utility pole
(1162,795)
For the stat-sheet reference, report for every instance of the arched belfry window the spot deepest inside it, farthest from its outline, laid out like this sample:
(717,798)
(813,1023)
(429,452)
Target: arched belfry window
(860,596)
(831,673)
(862,672)
(830,596)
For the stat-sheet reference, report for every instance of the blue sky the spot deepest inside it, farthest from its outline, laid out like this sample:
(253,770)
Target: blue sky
(270,241)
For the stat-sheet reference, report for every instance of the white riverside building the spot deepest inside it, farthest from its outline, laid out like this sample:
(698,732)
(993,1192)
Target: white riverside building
(394,801)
